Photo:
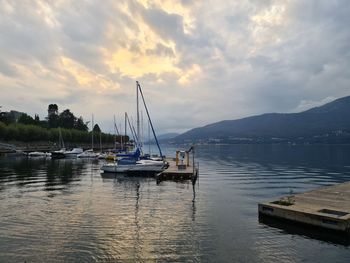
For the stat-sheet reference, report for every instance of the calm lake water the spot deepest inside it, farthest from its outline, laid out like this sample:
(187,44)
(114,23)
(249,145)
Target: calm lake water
(66,211)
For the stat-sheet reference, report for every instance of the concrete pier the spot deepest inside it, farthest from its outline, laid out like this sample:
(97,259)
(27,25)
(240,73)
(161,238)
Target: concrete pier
(327,207)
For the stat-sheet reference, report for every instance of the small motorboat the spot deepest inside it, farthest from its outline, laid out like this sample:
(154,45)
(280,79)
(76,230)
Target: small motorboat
(73,153)
(88,154)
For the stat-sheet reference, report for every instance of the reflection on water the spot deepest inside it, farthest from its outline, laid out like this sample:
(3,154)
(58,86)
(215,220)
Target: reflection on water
(307,231)
(66,210)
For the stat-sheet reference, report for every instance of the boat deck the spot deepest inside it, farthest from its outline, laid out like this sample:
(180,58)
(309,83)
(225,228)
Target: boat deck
(327,207)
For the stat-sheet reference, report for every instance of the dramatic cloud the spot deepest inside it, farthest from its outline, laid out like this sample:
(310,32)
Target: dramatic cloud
(198,61)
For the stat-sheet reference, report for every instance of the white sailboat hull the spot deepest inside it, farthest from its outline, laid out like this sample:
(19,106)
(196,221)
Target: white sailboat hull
(140,166)
(88,154)
(39,154)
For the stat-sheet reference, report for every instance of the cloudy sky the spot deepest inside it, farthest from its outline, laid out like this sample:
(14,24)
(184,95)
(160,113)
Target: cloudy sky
(198,61)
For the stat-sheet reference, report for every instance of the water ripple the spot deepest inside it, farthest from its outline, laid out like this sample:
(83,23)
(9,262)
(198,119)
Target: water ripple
(65,211)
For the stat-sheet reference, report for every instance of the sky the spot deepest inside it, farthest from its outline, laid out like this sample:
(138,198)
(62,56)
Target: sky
(198,62)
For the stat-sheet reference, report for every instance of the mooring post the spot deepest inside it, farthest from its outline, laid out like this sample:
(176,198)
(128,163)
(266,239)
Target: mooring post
(193,164)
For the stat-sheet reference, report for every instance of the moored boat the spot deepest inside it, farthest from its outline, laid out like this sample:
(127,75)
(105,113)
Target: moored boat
(137,166)
(88,154)
(73,153)
(39,154)
(60,154)
(135,162)
(102,156)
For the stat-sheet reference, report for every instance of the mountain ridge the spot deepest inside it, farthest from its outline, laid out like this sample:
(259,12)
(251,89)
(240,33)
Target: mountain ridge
(328,120)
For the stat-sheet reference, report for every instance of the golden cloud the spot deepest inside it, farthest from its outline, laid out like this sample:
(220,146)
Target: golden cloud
(85,77)
(189,75)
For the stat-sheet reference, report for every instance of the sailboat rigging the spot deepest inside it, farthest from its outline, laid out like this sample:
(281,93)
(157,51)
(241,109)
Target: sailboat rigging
(149,119)
(140,163)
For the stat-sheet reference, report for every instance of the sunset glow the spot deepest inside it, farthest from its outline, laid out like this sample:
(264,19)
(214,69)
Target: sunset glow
(234,54)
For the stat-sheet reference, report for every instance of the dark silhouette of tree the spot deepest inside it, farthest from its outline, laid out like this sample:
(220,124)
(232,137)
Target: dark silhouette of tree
(2,116)
(66,119)
(20,126)
(53,109)
(38,122)
(96,128)
(29,133)
(10,117)
(80,125)
(52,117)
(26,119)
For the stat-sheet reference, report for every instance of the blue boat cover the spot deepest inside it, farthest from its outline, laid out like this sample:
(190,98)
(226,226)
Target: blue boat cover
(130,158)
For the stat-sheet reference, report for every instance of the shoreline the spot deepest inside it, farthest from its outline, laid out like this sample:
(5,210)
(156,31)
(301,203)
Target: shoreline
(45,146)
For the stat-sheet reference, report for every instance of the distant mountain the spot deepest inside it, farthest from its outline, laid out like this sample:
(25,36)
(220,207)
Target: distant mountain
(165,137)
(328,123)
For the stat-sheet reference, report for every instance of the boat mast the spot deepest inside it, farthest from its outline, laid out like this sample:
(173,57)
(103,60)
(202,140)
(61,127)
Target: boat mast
(149,139)
(117,132)
(115,135)
(141,132)
(121,137)
(149,118)
(100,142)
(137,113)
(125,116)
(92,131)
(133,133)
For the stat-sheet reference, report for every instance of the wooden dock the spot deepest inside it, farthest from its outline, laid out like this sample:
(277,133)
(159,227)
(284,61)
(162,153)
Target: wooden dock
(327,208)
(176,173)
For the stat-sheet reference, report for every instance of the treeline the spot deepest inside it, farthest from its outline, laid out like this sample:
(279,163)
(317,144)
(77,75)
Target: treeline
(19,126)
(29,133)
(65,119)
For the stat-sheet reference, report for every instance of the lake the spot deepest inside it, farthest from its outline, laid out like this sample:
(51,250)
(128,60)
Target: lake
(66,211)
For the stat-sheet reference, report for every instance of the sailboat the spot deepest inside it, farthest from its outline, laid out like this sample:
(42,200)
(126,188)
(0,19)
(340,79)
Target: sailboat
(101,154)
(63,153)
(90,153)
(137,163)
(60,153)
(110,156)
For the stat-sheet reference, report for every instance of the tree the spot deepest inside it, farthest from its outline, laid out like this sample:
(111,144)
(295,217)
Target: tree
(26,119)
(66,119)
(96,128)
(2,116)
(80,125)
(8,117)
(52,117)
(53,109)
